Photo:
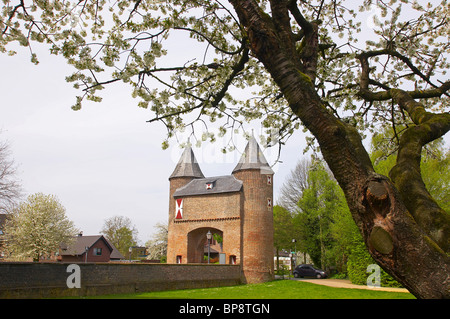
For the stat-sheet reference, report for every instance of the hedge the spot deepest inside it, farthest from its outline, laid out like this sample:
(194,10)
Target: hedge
(358,262)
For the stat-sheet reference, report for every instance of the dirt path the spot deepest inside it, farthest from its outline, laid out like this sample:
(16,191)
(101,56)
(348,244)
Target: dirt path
(343,283)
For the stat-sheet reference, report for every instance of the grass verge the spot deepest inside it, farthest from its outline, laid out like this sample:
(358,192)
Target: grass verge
(278,289)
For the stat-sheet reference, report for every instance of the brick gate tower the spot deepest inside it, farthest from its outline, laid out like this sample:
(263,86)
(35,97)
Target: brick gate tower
(257,224)
(236,208)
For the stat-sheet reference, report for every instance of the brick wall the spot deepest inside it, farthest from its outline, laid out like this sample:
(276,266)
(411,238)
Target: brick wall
(175,183)
(219,213)
(257,227)
(43,280)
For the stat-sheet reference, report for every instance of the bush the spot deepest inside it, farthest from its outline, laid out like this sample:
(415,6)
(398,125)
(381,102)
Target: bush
(358,262)
(340,275)
(282,271)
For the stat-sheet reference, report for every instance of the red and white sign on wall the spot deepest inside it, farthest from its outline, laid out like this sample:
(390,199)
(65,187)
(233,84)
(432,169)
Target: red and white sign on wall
(179,208)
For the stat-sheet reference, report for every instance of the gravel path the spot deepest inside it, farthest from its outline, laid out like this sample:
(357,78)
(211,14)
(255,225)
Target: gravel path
(343,283)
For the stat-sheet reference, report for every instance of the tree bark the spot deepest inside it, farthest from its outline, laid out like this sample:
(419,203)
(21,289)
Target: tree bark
(406,173)
(394,239)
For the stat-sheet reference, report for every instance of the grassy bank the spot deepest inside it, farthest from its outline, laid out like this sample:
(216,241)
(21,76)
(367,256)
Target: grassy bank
(279,289)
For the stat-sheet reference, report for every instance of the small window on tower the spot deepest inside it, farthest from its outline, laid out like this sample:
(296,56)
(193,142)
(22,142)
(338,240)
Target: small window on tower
(210,185)
(269,179)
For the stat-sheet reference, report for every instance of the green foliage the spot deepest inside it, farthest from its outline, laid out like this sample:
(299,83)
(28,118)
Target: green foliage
(218,238)
(283,227)
(283,270)
(322,219)
(120,231)
(358,262)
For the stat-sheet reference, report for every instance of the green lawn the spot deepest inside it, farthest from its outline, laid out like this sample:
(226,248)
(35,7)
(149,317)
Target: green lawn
(278,289)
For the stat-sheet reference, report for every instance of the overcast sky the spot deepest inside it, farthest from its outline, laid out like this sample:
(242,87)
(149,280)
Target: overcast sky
(103,160)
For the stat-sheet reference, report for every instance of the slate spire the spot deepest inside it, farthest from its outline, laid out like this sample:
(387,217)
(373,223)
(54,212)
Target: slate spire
(253,158)
(187,165)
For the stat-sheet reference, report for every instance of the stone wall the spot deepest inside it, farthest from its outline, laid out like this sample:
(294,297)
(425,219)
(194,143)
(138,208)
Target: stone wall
(46,280)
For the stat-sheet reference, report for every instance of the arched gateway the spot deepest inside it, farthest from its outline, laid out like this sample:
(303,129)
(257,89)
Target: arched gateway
(199,247)
(236,208)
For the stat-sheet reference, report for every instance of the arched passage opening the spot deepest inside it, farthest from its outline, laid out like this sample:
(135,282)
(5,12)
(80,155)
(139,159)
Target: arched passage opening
(198,244)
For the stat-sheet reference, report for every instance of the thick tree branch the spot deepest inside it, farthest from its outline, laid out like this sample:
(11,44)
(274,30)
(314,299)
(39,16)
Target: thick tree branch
(299,18)
(310,42)
(416,94)
(404,59)
(406,173)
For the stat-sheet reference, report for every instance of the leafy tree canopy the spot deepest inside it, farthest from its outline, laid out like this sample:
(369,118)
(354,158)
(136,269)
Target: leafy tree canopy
(38,227)
(184,57)
(121,232)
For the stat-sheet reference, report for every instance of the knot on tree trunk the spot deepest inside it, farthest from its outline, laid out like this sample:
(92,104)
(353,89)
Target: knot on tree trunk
(381,240)
(377,197)
(378,224)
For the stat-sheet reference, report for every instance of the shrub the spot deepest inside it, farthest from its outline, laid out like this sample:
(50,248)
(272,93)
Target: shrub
(282,271)
(358,262)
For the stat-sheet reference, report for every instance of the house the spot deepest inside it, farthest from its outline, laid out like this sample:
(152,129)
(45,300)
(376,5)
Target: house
(98,249)
(236,208)
(289,258)
(138,252)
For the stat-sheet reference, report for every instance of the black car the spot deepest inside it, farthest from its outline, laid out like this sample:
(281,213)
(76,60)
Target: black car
(309,271)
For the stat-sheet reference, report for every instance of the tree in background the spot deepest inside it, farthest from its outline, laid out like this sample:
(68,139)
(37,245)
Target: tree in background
(10,188)
(120,231)
(283,230)
(37,227)
(292,189)
(284,63)
(321,201)
(157,245)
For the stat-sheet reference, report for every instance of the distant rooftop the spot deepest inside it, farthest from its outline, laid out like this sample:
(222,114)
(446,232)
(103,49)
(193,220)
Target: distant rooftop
(81,242)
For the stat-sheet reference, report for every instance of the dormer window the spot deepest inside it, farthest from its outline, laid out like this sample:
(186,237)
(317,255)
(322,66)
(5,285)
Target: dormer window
(210,185)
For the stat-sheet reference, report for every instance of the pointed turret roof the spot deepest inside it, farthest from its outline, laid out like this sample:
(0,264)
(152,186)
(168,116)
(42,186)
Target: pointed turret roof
(253,158)
(187,166)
